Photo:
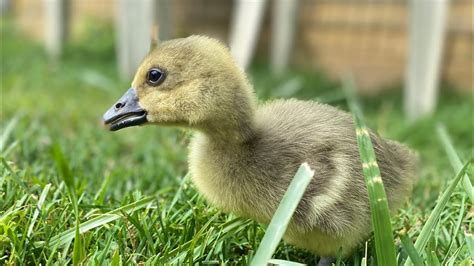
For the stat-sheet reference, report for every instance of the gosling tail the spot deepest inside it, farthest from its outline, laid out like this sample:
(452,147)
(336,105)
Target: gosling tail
(405,173)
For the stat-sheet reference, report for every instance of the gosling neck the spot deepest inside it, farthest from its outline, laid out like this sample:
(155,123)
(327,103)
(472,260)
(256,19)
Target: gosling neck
(230,134)
(235,123)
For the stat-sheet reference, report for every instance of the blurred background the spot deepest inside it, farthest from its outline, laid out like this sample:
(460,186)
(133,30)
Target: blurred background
(382,43)
(64,62)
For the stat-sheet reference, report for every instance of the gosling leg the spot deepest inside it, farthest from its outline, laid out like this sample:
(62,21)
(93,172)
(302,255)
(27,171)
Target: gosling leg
(326,261)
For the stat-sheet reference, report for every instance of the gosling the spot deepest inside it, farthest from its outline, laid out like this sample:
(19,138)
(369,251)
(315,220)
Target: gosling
(243,155)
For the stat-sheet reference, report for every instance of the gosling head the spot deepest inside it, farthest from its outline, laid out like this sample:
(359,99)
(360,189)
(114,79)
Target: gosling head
(190,82)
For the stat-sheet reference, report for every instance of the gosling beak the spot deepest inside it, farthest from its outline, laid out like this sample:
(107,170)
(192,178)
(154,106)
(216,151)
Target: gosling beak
(126,112)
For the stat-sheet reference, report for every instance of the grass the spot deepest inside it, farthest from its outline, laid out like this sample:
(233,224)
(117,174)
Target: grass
(383,233)
(132,192)
(277,227)
(454,160)
(427,230)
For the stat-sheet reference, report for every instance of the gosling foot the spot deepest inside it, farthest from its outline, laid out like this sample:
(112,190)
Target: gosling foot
(326,261)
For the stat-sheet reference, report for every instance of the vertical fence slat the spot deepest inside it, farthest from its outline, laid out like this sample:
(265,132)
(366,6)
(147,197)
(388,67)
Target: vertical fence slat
(163,19)
(56,30)
(134,22)
(427,32)
(283,30)
(245,28)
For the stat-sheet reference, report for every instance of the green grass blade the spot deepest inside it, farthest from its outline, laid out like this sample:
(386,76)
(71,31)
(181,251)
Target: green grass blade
(469,243)
(116,258)
(6,132)
(67,176)
(425,233)
(43,195)
(100,220)
(105,250)
(363,261)
(434,261)
(283,214)
(77,249)
(100,196)
(285,263)
(63,167)
(180,190)
(411,250)
(65,252)
(384,244)
(457,227)
(454,159)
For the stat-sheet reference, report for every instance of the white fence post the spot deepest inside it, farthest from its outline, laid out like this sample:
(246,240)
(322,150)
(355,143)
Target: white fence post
(163,19)
(56,26)
(5,6)
(283,28)
(245,27)
(134,23)
(427,33)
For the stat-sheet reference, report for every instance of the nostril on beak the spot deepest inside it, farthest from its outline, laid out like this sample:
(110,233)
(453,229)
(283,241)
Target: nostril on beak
(119,105)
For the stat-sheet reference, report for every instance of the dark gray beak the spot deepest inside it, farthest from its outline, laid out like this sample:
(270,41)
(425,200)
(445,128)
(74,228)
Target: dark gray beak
(126,112)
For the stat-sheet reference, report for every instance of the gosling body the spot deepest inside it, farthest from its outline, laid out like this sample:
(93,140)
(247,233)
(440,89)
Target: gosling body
(249,177)
(243,155)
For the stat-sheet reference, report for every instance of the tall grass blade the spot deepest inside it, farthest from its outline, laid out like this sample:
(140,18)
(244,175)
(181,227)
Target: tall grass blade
(457,226)
(67,176)
(44,193)
(435,215)
(100,196)
(454,159)
(116,258)
(363,261)
(100,220)
(283,214)
(180,190)
(285,263)
(105,250)
(384,244)
(63,167)
(434,261)
(411,250)
(77,249)
(6,133)
(469,243)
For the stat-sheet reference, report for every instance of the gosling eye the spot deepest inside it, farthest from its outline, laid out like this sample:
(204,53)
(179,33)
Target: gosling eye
(155,77)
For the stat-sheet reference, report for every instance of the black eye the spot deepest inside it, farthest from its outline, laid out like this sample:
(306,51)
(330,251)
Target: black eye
(155,76)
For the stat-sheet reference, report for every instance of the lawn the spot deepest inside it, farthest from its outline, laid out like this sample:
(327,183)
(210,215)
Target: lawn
(54,152)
